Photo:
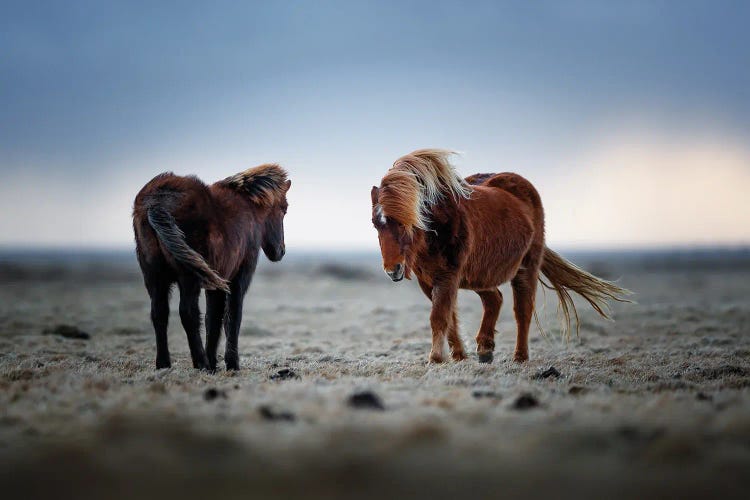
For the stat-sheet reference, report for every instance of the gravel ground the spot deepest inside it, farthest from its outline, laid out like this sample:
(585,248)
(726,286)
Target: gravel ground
(335,397)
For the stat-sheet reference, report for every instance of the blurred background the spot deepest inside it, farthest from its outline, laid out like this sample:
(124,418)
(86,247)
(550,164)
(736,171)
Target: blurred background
(631,118)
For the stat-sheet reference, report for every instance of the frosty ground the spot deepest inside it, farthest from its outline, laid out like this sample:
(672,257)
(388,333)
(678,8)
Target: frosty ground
(656,403)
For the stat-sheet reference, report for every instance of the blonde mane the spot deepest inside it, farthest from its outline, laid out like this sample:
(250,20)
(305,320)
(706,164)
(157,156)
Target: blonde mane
(264,184)
(418,181)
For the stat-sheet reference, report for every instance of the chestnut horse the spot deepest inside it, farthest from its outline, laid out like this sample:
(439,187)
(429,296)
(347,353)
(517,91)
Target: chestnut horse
(476,234)
(208,237)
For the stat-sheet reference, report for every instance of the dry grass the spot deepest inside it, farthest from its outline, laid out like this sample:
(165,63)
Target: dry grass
(654,404)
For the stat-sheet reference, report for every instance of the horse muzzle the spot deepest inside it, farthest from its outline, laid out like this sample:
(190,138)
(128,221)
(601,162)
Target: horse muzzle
(397,273)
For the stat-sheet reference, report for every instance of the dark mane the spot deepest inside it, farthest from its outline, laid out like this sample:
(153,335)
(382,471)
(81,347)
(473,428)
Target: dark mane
(263,184)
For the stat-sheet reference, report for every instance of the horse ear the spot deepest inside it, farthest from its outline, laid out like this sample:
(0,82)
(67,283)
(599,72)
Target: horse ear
(374,195)
(287,185)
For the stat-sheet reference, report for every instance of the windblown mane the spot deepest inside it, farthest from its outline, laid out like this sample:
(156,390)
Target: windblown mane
(263,184)
(418,181)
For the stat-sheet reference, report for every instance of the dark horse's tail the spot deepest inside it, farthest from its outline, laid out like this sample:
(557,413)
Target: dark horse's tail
(565,277)
(173,240)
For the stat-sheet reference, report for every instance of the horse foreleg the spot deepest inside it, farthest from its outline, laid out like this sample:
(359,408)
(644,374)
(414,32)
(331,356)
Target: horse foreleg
(454,340)
(524,294)
(232,327)
(216,301)
(492,301)
(160,318)
(441,318)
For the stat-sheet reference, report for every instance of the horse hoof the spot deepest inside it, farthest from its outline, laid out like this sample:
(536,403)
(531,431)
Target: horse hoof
(435,359)
(458,356)
(485,357)
(162,364)
(520,357)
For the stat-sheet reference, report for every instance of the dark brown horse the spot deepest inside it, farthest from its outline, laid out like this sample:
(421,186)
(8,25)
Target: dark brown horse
(201,236)
(475,233)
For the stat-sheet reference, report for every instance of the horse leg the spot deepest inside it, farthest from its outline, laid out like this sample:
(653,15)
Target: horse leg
(216,302)
(159,294)
(443,304)
(190,315)
(492,301)
(232,328)
(454,339)
(524,294)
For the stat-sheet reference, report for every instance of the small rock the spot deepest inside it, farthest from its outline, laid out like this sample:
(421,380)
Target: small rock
(214,393)
(279,416)
(68,331)
(577,389)
(485,394)
(284,374)
(702,396)
(366,400)
(724,371)
(525,401)
(549,372)
(636,434)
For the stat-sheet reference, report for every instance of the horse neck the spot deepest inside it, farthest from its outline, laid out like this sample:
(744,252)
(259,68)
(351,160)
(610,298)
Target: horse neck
(445,216)
(240,219)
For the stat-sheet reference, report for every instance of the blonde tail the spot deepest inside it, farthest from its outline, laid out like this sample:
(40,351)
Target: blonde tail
(565,277)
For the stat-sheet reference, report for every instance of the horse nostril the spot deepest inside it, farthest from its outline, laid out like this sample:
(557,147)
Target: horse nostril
(397,269)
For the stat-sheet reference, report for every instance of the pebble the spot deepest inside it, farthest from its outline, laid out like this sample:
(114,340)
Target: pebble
(278,416)
(214,393)
(284,374)
(366,400)
(68,331)
(525,401)
(549,372)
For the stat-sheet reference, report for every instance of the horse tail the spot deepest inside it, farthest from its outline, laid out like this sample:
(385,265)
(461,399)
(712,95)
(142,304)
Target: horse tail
(173,240)
(565,277)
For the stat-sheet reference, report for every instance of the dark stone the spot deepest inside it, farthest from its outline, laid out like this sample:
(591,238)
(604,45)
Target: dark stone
(702,396)
(366,400)
(638,435)
(484,394)
(284,374)
(549,372)
(276,416)
(723,372)
(577,389)
(525,401)
(214,393)
(68,331)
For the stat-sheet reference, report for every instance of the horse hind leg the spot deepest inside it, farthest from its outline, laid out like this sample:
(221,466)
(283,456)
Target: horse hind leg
(191,321)
(159,293)
(492,301)
(524,295)
(216,301)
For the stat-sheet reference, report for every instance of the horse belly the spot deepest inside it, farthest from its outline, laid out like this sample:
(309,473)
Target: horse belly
(501,236)
(485,273)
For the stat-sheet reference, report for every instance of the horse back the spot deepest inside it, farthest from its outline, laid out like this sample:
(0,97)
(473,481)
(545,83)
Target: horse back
(506,220)
(515,184)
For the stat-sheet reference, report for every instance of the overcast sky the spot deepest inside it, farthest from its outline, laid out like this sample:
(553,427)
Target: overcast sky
(632,118)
